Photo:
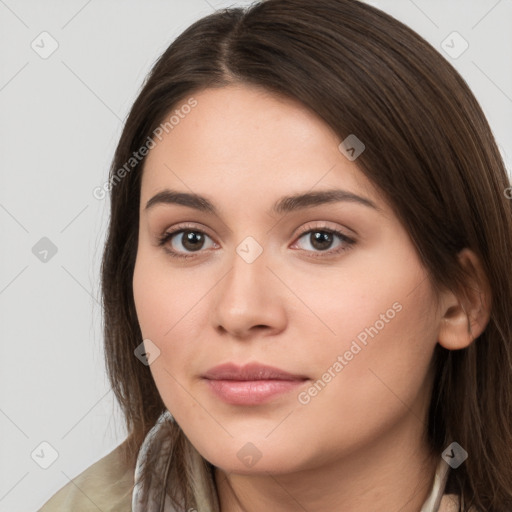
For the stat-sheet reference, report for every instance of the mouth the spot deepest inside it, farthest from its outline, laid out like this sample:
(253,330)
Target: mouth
(251,384)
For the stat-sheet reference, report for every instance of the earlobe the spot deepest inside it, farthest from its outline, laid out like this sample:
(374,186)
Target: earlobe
(465,316)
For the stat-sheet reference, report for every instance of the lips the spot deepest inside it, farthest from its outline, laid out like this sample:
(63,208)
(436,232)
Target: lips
(252,384)
(251,371)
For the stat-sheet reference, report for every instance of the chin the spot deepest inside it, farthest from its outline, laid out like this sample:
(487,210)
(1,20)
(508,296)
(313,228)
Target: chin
(246,458)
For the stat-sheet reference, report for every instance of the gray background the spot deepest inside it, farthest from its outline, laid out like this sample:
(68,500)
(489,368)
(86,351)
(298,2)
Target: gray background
(61,116)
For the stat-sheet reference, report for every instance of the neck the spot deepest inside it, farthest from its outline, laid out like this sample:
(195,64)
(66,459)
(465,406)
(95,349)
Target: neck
(391,473)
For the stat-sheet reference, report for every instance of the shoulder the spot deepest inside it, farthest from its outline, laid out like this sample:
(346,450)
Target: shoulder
(105,485)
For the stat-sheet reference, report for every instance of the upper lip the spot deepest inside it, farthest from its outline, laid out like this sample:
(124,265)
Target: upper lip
(251,371)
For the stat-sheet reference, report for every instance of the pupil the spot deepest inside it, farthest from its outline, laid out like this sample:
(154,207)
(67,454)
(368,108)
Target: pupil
(321,240)
(192,240)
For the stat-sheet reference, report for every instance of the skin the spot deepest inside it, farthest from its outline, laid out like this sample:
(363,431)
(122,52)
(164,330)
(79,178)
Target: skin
(359,444)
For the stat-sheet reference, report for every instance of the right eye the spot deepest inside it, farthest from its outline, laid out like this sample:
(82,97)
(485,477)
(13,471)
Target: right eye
(184,241)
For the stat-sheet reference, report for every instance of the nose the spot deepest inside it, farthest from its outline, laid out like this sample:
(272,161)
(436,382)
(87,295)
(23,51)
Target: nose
(250,300)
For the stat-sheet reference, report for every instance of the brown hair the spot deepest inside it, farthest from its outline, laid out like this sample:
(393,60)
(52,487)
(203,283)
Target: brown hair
(429,149)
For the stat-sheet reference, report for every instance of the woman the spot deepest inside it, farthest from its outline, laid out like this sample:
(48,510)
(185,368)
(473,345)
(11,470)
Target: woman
(307,279)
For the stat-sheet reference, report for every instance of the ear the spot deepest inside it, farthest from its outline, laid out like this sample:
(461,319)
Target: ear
(465,317)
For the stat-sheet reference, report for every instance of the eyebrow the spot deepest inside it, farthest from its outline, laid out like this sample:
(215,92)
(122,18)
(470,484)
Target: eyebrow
(283,205)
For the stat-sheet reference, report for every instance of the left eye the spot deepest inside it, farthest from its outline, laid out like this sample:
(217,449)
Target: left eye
(322,240)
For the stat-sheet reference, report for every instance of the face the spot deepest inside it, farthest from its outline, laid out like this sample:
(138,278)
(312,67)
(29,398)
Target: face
(328,291)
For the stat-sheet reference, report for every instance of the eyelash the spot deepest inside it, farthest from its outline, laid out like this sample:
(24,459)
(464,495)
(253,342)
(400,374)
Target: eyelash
(348,242)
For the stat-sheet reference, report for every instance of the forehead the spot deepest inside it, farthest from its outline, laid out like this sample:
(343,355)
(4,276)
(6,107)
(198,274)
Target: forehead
(247,141)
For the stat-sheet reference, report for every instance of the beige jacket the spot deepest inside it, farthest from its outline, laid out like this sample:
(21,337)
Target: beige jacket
(107,486)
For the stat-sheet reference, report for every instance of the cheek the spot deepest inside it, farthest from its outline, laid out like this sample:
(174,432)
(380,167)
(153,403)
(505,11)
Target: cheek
(378,298)
(172,314)
(162,295)
(375,369)
(383,333)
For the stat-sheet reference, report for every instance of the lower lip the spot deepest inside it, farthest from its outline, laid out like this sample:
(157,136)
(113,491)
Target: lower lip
(251,392)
